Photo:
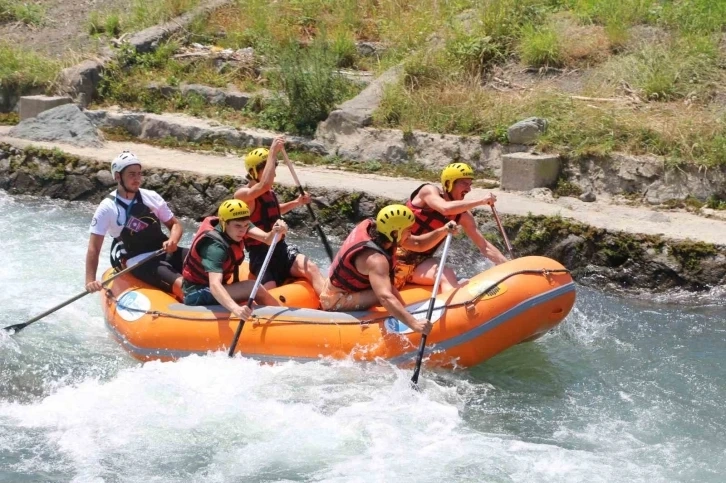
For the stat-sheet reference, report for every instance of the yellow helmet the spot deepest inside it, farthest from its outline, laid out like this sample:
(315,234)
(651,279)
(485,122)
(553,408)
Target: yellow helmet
(394,218)
(255,158)
(232,210)
(453,172)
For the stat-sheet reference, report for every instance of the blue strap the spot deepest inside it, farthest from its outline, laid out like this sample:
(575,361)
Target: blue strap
(127,207)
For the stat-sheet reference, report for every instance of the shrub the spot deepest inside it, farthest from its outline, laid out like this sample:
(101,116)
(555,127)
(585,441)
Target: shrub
(344,51)
(310,84)
(423,69)
(473,52)
(22,70)
(540,47)
(28,13)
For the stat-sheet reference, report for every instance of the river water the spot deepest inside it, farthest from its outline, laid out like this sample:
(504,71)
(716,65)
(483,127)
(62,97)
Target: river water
(623,391)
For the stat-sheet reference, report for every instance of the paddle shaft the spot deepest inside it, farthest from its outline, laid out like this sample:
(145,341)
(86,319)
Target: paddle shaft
(430,311)
(319,229)
(504,234)
(18,327)
(253,294)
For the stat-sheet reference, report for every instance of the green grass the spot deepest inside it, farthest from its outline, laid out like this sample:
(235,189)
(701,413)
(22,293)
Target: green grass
(140,15)
(541,47)
(305,78)
(22,70)
(9,118)
(22,11)
(668,53)
(576,128)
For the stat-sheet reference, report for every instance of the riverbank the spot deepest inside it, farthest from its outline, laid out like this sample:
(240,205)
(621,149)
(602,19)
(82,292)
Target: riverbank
(621,247)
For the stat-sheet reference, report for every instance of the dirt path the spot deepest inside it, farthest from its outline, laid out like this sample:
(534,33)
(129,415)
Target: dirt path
(600,214)
(65,30)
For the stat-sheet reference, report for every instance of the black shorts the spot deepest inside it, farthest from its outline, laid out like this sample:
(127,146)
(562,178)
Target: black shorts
(163,270)
(278,270)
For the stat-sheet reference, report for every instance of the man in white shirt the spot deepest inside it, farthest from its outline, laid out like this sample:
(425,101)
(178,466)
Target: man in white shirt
(134,216)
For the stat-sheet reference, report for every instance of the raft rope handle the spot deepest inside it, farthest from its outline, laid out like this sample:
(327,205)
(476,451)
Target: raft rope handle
(376,320)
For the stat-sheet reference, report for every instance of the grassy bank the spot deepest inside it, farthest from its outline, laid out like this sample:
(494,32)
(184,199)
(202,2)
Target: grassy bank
(140,15)
(23,71)
(660,63)
(639,76)
(21,11)
(303,85)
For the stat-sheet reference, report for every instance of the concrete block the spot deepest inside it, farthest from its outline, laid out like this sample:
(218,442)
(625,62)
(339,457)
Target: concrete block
(31,106)
(526,171)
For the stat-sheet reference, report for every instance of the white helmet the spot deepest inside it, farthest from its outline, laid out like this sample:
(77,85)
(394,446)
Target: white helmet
(123,161)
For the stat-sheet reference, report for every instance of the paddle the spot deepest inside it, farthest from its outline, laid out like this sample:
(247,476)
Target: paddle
(256,287)
(18,327)
(324,239)
(430,311)
(504,234)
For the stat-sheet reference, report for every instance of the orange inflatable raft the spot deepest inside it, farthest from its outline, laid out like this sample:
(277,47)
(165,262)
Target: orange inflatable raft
(511,303)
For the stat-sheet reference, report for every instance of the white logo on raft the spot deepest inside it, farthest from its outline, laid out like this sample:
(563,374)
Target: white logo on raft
(395,326)
(132,306)
(478,288)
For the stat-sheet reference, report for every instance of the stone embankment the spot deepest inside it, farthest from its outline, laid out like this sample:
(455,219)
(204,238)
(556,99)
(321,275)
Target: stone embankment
(611,246)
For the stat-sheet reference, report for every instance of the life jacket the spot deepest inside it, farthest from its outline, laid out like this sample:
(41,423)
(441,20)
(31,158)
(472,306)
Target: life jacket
(428,219)
(142,231)
(193,271)
(343,273)
(266,213)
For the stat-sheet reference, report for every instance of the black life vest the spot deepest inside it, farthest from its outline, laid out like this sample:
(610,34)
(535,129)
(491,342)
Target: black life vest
(142,231)
(193,271)
(343,273)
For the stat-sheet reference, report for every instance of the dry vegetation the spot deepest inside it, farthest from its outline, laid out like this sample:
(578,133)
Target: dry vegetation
(642,76)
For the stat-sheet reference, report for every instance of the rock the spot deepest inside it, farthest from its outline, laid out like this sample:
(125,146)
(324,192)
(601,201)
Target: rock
(365,207)
(542,194)
(75,186)
(659,193)
(21,182)
(210,94)
(587,197)
(370,49)
(526,131)
(237,100)
(218,193)
(359,111)
(80,81)
(153,182)
(569,251)
(148,39)
(104,177)
(713,270)
(162,89)
(186,201)
(65,123)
